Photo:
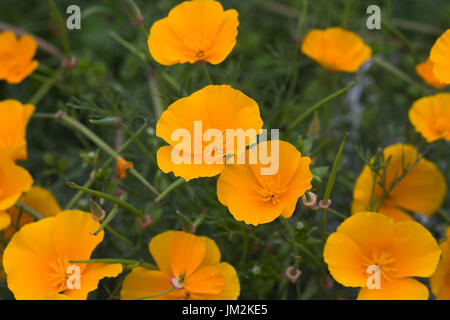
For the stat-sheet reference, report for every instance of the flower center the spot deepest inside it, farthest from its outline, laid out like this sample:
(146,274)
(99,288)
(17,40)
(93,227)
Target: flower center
(58,276)
(271,193)
(200,54)
(383,260)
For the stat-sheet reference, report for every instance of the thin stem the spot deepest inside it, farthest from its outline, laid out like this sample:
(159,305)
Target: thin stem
(104,146)
(156,96)
(330,183)
(397,72)
(156,294)
(125,262)
(36,214)
(61,29)
(444,215)
(206,72)
(346,14)
(319,105)
(110,216)
(110,198)
(120,237)
(172,186)
(293,242)
(45,87)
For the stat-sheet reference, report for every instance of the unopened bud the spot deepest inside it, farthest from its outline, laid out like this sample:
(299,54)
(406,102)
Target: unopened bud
(115,122)
(97,211)
(134,13)
(309,200)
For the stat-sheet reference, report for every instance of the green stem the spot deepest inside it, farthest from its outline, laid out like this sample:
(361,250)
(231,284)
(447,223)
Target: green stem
(302,19)
(110,198)
(293,242)
(101,144)
(126,262)
(110,216)
(444,215)
(120,237)
(45,87)
(397,72)
(127,45)
(156,96)
(89,182)
(29,210)
(319,105)
(172,186)
(156,294)
(346,14)
(330,184)
(61,29)
(206,72)
(399,35)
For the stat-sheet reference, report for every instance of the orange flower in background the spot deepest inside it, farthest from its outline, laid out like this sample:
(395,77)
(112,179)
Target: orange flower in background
(122,166)
(216,107)
(38,199)
(189,268)
(422,190)
(198,30)
(425,70)
(256,198)
(336,49)
(14,181)
(440,280)
(36,260)
(16,57)
(431,116)
(440,56)
(14,117)
(400,251)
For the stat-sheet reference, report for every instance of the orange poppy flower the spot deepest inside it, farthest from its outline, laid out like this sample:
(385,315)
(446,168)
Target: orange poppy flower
(422,190)
(431,117)
(36,260)
(425,70)
(440,280)
(16,57)
(336,49)
(189,268)
(215,107)
(256,198)
(440,56)
(122,166)
(198,30)
(14,118)
(371,251)
(14,180)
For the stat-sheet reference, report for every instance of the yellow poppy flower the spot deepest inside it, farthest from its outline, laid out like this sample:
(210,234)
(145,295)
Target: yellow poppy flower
(255,198)
(198,30)
(440,280)
(16,57)
(371,251)
(336,49)
(122,166)
(14,181)
(37,198)
(425,70)
(36,260)
(14,118)
(440,56)
(431,116)
(215,107)
(188,265)
(422,190)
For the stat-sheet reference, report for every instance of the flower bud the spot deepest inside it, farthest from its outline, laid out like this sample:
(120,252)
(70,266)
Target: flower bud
(147,222)
(97,211)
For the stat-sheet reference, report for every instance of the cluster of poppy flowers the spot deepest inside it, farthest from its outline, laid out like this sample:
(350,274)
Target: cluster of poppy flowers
(380,231)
